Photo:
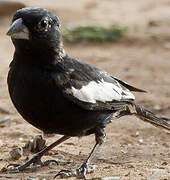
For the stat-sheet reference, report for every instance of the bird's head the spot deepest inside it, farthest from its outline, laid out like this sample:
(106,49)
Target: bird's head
(35,30)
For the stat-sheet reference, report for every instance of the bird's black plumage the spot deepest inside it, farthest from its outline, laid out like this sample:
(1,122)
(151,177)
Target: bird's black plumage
(60,94)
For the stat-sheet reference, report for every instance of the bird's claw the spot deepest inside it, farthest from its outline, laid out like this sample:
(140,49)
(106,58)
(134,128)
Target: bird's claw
(80,172)
(12,164)
(71,173)
(65,174)
(34,162)
(13,168)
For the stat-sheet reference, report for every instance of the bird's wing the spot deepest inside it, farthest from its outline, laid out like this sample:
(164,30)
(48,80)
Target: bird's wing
(90,87)
(128,86)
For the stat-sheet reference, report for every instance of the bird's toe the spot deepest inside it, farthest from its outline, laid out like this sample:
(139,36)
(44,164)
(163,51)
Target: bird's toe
(80,172)
(65,174)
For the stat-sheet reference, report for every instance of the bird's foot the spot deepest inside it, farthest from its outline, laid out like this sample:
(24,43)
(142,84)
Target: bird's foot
(34,162)
(80,172)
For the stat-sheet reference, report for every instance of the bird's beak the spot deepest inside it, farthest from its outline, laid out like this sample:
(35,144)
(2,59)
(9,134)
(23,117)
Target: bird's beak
(18,30)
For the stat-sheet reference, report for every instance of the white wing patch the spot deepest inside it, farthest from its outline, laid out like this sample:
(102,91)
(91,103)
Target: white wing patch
(101,91)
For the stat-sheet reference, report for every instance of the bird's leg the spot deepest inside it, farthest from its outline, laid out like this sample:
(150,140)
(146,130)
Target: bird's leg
(82,170)
(36,159)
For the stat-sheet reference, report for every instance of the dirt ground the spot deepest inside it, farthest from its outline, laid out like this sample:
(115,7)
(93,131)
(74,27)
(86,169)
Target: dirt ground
(134,150)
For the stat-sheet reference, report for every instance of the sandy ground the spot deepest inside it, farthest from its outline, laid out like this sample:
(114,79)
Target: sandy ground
(142,59)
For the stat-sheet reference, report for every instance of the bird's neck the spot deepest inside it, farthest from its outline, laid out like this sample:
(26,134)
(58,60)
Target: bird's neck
(26,54)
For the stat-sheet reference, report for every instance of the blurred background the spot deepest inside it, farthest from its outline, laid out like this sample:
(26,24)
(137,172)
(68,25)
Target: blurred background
(129,39)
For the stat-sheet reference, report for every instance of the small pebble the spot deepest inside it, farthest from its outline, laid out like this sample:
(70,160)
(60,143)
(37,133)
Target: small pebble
(33,178)
(30,178)
(64,162)
(124,151)
(154,143)
(4,169)
(38,143)
(91,168)
(157,107)
(5,121)
(111,178)
(21,139)
(165,163)
(167,145)
(3,110)
(57,156)
(34,145)
(136,134)
(140,140)
(16,153)
(155,170)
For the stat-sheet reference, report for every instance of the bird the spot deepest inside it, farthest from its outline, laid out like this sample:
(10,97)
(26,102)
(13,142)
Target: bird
(57,93)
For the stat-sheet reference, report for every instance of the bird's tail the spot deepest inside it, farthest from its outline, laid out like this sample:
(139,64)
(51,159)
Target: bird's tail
(144,114)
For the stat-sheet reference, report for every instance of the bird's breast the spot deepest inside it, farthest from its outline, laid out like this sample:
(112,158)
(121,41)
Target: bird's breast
(33,93)
(37,98)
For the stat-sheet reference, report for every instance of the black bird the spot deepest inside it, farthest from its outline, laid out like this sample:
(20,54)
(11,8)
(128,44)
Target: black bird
(59,94)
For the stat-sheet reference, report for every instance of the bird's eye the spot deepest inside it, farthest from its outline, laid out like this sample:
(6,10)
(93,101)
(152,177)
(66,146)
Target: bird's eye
(44,23)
